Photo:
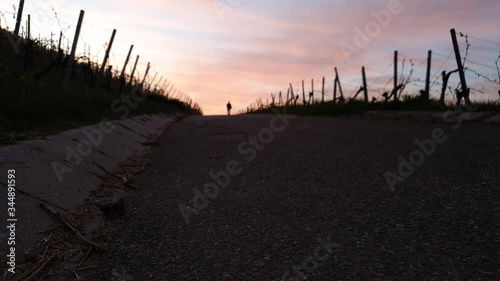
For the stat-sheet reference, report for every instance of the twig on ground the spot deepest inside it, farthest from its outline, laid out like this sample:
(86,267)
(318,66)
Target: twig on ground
(71,227)
(50,229)
(85,257)
(31,273)
(115,176)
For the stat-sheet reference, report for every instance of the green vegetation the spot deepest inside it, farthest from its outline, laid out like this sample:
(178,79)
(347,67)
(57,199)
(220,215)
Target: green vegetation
(34,101)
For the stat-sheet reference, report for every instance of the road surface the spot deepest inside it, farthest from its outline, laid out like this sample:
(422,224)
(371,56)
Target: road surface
(314,197)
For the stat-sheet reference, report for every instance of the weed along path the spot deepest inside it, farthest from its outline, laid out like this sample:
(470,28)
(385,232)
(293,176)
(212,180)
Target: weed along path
(279,197)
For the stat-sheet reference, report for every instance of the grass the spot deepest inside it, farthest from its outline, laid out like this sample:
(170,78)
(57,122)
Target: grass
(31,107)
(408,103)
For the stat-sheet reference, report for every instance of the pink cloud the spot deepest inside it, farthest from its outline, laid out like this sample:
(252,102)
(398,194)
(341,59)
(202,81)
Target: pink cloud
(261,47)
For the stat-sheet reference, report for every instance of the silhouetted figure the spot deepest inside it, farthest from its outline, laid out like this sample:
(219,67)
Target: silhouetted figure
(229,107)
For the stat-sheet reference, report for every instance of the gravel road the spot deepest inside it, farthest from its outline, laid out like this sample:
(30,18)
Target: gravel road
(310,198)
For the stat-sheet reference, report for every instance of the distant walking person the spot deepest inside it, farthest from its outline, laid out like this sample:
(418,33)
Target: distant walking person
(229,107)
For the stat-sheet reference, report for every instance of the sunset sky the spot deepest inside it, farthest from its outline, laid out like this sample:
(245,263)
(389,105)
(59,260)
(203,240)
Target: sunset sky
(240,50)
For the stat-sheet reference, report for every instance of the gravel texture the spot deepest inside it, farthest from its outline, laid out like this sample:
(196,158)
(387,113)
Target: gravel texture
(314,204)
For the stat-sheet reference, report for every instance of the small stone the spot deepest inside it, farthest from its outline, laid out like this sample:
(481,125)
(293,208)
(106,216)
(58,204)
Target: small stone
(112,207)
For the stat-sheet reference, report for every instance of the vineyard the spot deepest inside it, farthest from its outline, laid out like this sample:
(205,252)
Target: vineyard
(432,83)
(46,86)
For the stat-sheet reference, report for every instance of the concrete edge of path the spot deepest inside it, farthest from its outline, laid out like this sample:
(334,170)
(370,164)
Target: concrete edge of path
(62,170)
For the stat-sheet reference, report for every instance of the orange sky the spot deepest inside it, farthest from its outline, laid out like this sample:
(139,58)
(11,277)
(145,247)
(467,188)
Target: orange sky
(256,47)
